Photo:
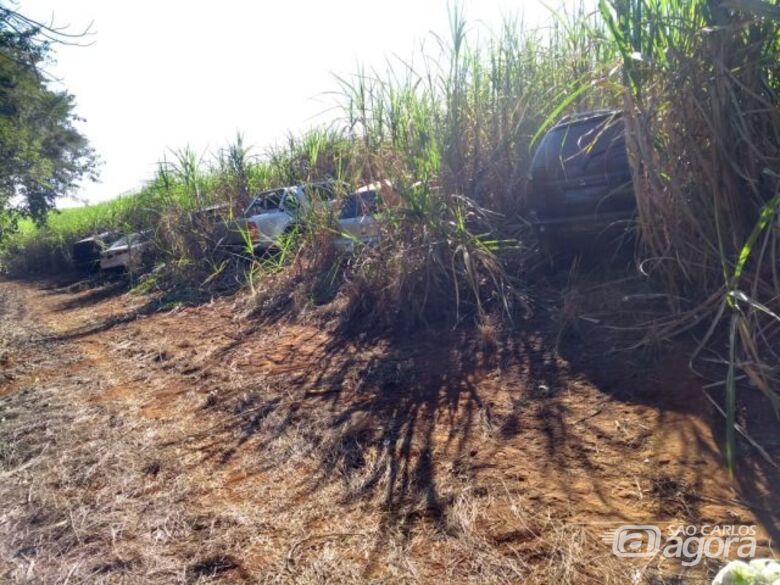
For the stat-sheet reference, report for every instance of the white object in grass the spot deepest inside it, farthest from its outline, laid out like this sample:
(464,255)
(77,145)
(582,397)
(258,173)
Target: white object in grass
(758,572)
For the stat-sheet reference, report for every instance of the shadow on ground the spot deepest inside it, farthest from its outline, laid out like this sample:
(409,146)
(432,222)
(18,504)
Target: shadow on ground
(81,291)
(400,420)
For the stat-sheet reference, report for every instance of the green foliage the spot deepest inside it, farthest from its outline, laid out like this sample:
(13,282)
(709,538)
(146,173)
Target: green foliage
(701,81)
(42,154)
(451,128)
(44,248)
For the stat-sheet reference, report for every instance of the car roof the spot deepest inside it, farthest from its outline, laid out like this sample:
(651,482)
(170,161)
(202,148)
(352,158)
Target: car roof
(272,191)
(214,207)
(375,186)
(132,237)
(583,117)
(92,238)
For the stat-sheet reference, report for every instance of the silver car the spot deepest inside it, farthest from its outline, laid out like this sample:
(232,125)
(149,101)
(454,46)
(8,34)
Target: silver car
(359,220)
(127,252)
(275,213)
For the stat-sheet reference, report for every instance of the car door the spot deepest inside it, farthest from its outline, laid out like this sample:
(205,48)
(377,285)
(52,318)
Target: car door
(357,221)
(289,211)
(270,217)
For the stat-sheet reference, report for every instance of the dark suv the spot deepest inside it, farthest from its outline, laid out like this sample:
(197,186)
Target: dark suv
(86,252)
(581,180)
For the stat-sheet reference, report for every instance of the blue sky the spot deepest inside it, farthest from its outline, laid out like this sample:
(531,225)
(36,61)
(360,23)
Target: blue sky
(165,74)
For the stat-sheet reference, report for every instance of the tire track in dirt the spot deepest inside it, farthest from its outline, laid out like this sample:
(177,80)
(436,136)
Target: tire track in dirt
(85,495)
(194,445)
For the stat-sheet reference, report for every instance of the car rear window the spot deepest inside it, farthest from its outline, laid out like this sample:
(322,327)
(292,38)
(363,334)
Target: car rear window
(586,148)
(265,203)
(359,204)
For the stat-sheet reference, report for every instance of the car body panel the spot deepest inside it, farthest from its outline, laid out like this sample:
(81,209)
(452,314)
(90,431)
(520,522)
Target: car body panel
(126,253)
(356,231)
(581,179)
(273,213)
(360,218)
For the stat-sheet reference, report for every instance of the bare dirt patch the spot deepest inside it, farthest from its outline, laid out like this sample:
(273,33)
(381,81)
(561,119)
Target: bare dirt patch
(196,445)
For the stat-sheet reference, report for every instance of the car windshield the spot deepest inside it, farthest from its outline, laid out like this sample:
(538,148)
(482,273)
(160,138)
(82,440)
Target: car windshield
(121,242)
(130,240)
(265,203)
(359,204)
(572,149)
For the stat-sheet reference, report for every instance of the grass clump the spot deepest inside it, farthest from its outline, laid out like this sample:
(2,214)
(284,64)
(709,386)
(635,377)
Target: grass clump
(451,128)
(700,82)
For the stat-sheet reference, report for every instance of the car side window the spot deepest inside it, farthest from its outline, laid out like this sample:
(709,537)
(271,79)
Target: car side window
(255,207)
(359,205)
(265,203)
(349,209)
(291,203)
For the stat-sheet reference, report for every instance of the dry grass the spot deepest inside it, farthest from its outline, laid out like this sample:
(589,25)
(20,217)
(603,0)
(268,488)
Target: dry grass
(91,503)
(225,479)
(88,500)
(703,131)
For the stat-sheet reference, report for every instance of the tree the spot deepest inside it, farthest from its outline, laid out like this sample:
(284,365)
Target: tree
(42,154)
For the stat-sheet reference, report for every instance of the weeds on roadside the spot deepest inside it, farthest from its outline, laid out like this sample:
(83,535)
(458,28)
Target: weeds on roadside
(454,127)
(700,82)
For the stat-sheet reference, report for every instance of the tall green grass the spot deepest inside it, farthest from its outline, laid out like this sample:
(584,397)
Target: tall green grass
(45,249)
(454,127)
(700,84)
(456,119)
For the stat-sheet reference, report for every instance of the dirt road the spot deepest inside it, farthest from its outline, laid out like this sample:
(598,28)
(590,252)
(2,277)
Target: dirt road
(140,444)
